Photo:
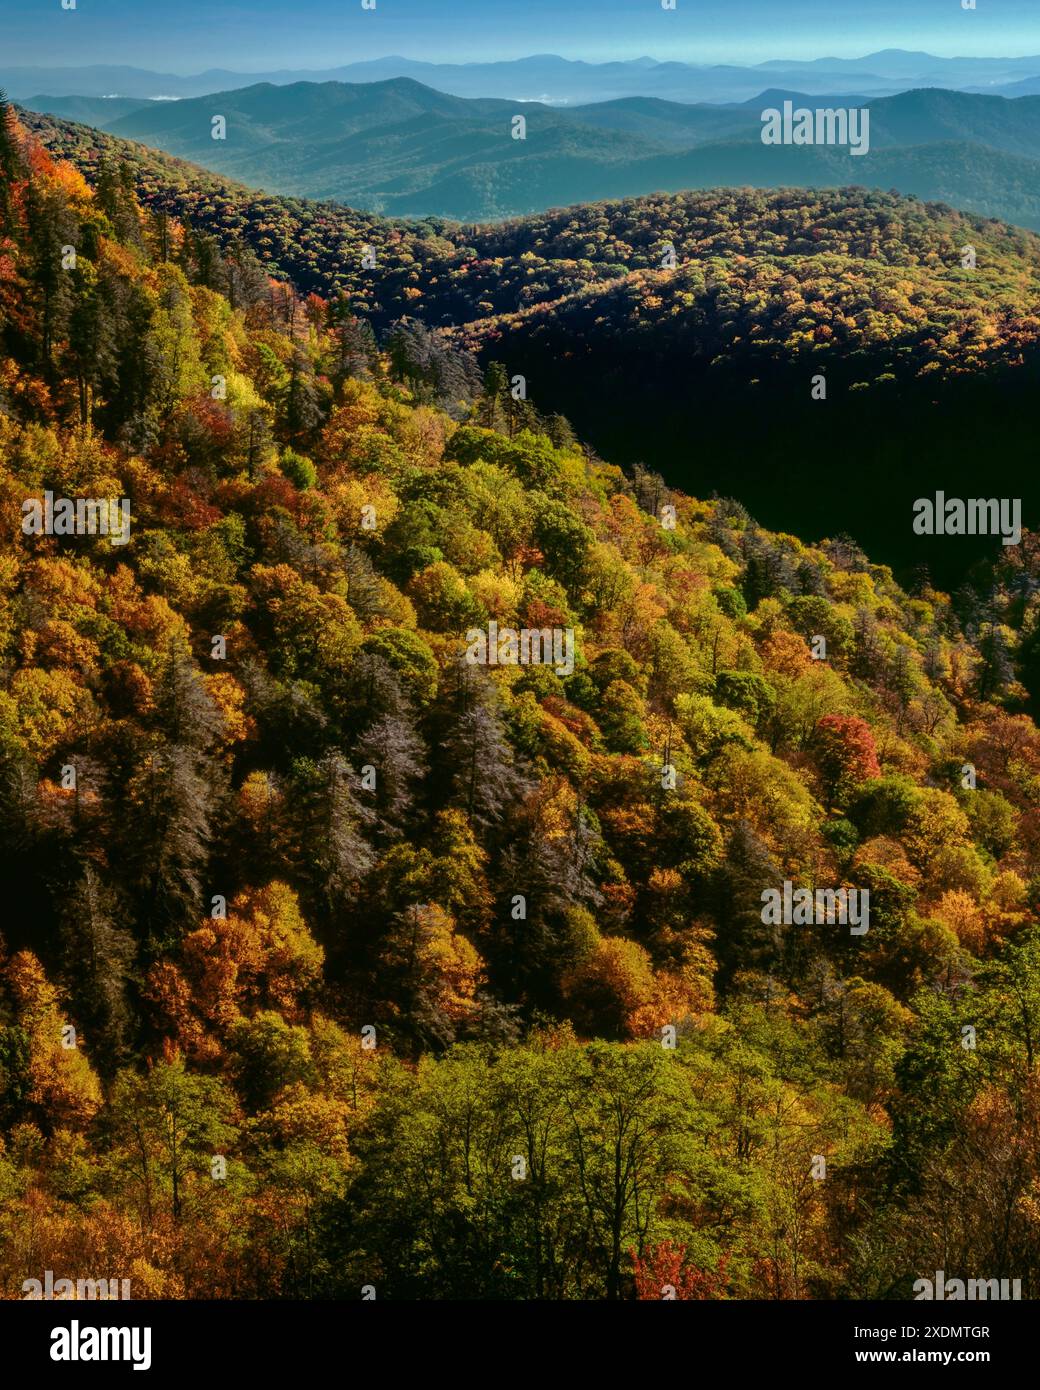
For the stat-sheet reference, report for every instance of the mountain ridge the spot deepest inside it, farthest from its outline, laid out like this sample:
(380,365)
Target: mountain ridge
(575,80)
(401,148)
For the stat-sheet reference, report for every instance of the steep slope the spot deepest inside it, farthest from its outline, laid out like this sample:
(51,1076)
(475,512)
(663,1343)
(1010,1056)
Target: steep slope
(927,366)
(262,803)
(99,112)
(769,290)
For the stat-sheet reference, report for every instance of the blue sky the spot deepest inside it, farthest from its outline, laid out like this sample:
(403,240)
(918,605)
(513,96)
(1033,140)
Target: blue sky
(186,36)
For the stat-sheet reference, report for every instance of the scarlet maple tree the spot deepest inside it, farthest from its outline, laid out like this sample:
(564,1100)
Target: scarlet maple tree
(846,754)
(664,1273)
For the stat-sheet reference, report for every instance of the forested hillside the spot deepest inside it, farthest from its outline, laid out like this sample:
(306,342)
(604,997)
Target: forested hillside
(914,295)
(333,960)
(434,268)
(688,332)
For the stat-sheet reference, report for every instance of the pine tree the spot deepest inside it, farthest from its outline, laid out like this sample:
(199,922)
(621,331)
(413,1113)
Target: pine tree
(744,941)
(331,853)
(184,711)
(97,956)
(392,747)
(170,805)
(52,229)
(11,165)
(479,763)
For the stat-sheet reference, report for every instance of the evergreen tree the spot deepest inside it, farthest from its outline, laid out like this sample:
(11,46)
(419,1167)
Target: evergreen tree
(97,958)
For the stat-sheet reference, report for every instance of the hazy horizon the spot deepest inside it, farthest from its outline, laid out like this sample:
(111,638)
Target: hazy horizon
(169,70)
(318,34)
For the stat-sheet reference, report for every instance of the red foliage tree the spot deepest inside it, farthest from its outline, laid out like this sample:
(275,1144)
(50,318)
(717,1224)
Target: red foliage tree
(664,1273)
(846,754)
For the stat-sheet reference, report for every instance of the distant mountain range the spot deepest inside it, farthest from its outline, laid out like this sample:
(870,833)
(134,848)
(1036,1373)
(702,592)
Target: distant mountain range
(554,80)
(403,149)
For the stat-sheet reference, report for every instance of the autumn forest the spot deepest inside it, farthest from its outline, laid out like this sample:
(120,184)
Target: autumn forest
(334,960)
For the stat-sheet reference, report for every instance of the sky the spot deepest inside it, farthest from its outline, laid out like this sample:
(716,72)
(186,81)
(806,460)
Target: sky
(190,36)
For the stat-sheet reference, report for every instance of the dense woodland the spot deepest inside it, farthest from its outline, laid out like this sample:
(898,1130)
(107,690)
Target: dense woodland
(684,332)
(340,502)
(440,271)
